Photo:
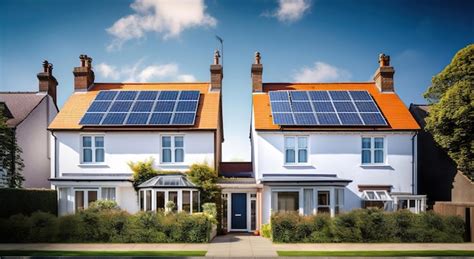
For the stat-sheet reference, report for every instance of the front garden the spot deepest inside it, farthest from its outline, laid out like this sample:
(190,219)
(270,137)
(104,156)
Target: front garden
(105,222)
(367,226)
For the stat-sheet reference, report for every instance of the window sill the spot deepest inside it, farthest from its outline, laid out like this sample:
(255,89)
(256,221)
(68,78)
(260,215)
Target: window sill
(173,165)
(298,165)
(376,166)
(98,165)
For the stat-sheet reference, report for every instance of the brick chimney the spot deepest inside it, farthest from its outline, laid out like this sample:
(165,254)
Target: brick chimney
(384,75)
(83,75)
(216,73)
(257,69)
(47,82)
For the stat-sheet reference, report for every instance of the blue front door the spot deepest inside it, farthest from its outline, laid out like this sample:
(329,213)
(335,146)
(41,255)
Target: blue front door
(239,211)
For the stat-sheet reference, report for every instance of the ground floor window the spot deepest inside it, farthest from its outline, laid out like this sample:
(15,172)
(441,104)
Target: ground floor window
(285,201)
(183,200)
(253,211)
(308,201)
(108,193)
(82,198)
(339,198)
(413,203)
(324,202)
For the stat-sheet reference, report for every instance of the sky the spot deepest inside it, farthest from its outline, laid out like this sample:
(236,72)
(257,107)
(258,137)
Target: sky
(171,41)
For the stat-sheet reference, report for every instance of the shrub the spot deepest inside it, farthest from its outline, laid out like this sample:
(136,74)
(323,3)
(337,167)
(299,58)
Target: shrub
(210,209)
(142,171)
(266,230)
(205,178)
(372,225)
(70,229)
(43,227)
(100,205)
(27,201)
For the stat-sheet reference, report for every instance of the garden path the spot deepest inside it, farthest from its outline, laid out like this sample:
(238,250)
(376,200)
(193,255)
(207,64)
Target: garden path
(241,245)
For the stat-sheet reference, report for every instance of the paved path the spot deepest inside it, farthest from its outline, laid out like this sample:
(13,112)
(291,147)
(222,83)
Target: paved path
(241,245)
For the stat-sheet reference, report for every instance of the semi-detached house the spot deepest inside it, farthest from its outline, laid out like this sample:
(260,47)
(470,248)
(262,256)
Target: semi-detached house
(104,126)
(324,148)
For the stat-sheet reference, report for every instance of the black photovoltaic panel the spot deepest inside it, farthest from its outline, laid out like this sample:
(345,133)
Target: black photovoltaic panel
(142,108)
(327,108)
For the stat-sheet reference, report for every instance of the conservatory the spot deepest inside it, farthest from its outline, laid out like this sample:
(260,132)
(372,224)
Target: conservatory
(155,193)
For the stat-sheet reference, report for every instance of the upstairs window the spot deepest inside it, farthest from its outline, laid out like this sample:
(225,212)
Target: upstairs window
(373,150)
(296,150)
(93,149)
(172,149)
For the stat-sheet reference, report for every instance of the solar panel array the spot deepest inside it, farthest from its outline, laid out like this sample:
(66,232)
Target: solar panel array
(113,108)
(326,108)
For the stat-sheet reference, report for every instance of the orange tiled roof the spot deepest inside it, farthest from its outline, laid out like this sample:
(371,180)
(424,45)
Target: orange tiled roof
(78,103)
(392,107)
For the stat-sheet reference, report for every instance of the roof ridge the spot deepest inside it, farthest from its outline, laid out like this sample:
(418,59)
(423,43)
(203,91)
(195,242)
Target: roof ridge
(150,83)
(316,83)
(19,92)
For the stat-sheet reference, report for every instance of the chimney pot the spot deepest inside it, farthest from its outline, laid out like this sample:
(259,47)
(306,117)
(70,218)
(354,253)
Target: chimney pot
(83,76)
(384,74)
(216,73)
(256,74)
(47,82)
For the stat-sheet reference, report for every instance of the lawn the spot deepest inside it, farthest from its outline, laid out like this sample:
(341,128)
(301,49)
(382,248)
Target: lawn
(378,253)
(100,253)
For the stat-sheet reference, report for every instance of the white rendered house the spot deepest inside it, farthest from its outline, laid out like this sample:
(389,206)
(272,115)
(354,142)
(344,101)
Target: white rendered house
(29,114)
(104,126)
(325,148)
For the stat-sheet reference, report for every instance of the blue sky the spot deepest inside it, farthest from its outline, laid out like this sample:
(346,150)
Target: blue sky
(300,40)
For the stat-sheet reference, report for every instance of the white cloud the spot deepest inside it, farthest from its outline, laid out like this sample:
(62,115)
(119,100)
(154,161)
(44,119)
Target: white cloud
(321,72)
(138,73)
(167,17)
(290,10)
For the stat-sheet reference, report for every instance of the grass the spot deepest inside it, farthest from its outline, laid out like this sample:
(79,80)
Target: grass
(99,253)
(378,253)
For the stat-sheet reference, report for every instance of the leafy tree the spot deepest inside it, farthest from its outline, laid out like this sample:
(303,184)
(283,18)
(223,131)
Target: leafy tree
(10,153)
(142,171)
(451,118)
(206,178)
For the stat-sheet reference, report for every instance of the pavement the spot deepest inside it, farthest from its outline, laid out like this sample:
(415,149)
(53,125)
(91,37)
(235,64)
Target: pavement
(241,245)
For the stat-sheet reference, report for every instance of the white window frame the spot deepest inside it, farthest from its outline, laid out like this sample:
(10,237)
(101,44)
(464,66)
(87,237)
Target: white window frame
(166,191)
(372,150)
(365,195)
(107,187)
(296,148)
(93,148)
(85,192)
(172,148)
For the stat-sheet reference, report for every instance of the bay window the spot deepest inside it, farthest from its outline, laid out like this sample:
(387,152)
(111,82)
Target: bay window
(172,149)
(285,201)
(324,202)
(296,150)
(93,149)
(373,150)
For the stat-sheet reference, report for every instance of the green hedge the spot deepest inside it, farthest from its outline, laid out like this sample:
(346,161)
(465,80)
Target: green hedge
(27,201)
(106,225)
(368,226)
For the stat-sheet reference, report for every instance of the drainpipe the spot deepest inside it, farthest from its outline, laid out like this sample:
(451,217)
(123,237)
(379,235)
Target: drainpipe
(413,164)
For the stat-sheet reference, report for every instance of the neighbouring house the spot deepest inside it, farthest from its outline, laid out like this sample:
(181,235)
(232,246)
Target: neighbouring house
(103,126)
(436,170)
(325,148)
(29,114)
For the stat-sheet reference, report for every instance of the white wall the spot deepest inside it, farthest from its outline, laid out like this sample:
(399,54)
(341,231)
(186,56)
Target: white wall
(123,147)
(33,138)
(340,154)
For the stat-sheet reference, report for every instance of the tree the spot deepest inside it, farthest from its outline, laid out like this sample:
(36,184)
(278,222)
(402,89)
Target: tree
(205,178)
(10,153)
(142,171)
(451,117)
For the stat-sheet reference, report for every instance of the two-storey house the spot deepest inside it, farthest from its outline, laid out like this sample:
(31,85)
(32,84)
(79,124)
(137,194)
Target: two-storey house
(28,115)
(104,126)
(325,148)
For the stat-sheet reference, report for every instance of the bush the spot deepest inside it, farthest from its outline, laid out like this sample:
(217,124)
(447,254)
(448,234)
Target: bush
(267,230)
(371,225)
(107,225)
(27,201)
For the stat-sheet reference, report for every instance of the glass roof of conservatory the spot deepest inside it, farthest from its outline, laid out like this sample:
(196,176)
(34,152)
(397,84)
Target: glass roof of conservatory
(168,181)
(376,195)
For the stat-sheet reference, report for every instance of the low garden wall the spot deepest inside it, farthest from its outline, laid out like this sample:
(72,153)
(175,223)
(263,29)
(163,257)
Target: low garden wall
(368,226)
(27,201)
(107,225)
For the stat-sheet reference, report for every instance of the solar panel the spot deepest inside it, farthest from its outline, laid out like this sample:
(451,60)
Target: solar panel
(106,95)
(99,106)
(186,106)
(283,118)
(183,118)
(329,108)
(137,118)
(305,119)
(114,118)
(126,95)
(92,118)
(160,118)
(143,108)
